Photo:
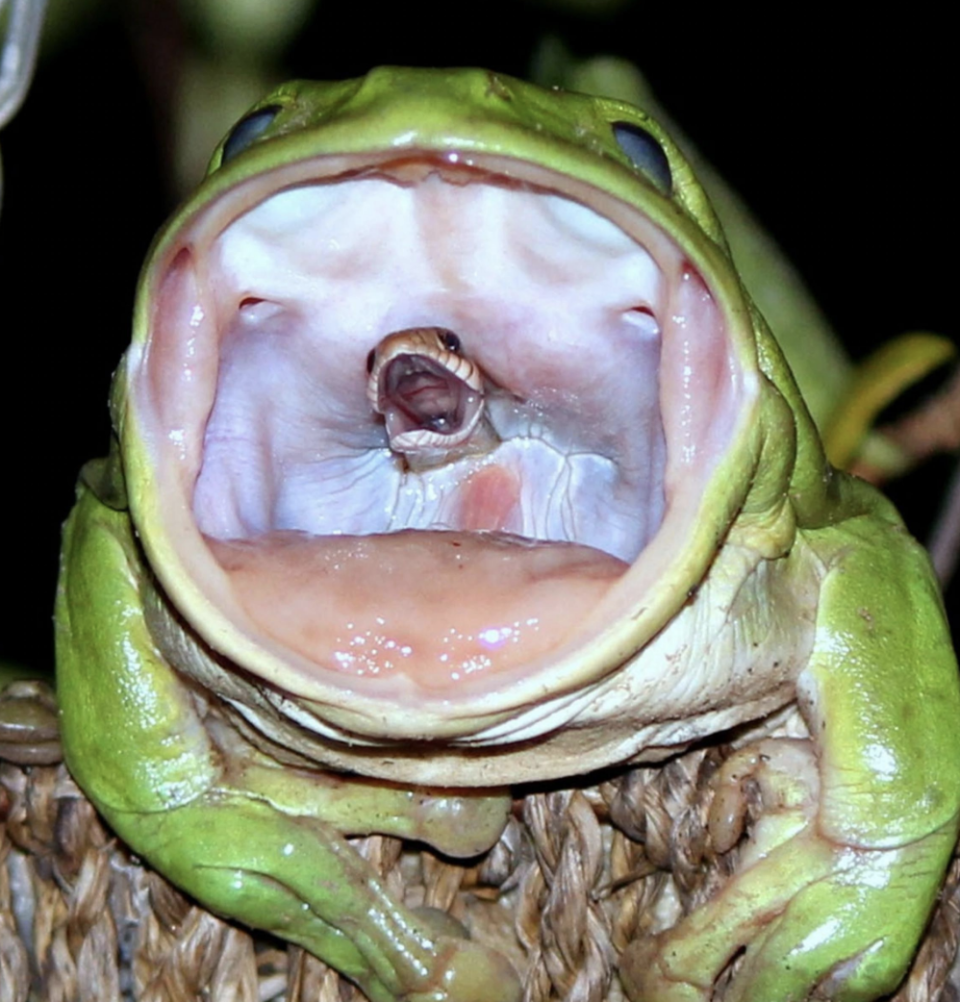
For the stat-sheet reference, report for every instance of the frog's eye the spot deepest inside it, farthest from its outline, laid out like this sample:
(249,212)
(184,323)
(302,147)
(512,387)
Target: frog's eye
(247,130)
(645,152)
(450,341)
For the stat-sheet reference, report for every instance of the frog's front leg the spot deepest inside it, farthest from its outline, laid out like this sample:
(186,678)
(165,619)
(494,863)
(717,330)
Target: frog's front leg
(842,870)
(293,876)
(246,837)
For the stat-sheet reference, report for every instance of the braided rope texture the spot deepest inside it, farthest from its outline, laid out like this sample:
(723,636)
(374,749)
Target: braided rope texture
(578,874)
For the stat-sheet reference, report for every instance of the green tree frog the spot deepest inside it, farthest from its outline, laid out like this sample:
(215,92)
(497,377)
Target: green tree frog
(451,454)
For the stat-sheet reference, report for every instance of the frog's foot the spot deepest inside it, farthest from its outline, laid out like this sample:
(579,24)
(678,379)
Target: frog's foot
(296,878)
(468,972)
(29,731)
(805,916)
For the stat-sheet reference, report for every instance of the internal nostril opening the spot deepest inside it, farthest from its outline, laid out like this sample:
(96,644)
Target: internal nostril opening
(643,319)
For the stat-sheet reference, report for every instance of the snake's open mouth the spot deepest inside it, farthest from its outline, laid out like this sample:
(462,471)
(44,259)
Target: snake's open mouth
(421,395)
(432,397)
(604,376)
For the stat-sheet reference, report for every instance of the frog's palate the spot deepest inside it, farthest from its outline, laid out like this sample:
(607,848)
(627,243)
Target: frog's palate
(608,369)
(553,302)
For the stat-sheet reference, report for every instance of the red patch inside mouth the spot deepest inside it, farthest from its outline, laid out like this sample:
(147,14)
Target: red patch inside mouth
(489,500)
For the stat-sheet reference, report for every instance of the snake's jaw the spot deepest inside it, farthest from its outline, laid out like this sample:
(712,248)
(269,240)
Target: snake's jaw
(433,407)
(423,450)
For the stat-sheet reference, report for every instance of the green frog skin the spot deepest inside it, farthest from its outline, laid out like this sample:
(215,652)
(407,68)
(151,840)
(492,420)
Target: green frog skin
(277,627)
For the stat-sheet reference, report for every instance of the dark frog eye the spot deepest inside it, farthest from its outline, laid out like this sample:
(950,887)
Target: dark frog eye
(247,130)
(645,153)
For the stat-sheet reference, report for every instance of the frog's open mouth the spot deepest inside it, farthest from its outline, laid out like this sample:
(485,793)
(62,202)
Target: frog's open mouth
(609,398)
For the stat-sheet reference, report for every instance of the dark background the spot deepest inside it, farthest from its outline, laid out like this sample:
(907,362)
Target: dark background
(838,140)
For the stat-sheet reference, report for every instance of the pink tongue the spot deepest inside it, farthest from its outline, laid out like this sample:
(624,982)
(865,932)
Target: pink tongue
(433,606)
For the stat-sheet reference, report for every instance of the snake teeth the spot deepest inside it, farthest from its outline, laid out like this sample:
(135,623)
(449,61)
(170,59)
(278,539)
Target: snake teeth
(431,396)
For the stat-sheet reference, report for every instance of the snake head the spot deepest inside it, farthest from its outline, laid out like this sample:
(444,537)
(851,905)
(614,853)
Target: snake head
(431,395)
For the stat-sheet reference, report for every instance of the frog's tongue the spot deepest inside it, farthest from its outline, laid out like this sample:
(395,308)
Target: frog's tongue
(435,606)
(440,606)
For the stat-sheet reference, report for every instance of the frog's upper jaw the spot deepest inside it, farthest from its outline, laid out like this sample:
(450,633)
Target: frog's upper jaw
(622,391)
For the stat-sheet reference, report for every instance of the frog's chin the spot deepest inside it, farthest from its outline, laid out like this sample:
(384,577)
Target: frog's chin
(302,548)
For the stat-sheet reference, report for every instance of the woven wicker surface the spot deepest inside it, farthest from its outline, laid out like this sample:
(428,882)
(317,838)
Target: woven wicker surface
(577,874)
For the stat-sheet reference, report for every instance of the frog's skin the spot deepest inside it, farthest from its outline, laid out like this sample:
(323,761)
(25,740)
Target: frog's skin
(242,620)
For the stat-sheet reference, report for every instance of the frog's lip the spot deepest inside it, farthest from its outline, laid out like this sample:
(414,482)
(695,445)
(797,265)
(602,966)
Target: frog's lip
(706,391)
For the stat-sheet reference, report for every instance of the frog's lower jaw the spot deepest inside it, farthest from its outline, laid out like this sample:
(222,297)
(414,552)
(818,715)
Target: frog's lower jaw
(615,397)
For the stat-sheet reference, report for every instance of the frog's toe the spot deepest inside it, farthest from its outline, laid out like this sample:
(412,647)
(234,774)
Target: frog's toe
(441,923)
(646,974)
(29,731)
(470,972)
(464,970)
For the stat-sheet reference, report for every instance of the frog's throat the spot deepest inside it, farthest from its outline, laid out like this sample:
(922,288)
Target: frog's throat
(268,483)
